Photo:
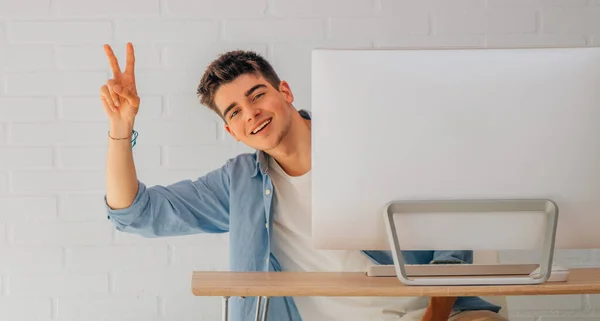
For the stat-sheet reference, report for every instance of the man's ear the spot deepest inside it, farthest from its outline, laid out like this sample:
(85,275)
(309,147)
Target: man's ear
(231,132)
(285,89)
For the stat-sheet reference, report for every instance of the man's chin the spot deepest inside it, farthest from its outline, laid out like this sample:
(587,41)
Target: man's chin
(267,146)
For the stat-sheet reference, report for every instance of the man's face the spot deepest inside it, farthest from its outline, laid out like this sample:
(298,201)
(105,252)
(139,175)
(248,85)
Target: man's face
(255,113)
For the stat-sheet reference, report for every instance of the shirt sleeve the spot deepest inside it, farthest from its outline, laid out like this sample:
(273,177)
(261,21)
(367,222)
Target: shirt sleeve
(183,208)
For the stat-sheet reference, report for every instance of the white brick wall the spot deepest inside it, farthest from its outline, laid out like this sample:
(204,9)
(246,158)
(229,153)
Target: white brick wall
(26,58)
(3,184)
(60,258)
(2,33)
(108,9)
(62,31)
(30,8)
(12,308)
(128,308)
(215,8)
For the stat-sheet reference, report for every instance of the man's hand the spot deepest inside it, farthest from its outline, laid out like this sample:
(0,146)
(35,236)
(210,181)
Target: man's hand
(439,309)
(119,95)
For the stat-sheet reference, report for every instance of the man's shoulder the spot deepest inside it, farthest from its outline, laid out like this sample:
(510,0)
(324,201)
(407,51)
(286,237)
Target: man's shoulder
(244,162)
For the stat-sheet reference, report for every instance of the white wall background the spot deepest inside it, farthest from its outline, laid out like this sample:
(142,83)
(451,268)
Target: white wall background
(60,259)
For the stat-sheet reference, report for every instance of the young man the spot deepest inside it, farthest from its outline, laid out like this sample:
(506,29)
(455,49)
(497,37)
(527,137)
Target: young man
(262,199)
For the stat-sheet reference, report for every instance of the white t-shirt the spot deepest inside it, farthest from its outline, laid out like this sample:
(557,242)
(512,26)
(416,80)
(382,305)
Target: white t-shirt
(292,246)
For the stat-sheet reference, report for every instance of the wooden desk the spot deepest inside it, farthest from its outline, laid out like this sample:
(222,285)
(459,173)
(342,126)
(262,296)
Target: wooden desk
(275,284)
(270,284)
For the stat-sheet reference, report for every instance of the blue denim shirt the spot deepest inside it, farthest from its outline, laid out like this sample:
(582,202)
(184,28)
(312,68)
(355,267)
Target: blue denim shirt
(237,198)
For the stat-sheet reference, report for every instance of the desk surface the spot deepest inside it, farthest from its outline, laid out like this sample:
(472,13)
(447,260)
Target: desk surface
(358,284)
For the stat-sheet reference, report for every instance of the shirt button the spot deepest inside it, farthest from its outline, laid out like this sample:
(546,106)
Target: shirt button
(267,225)
(268,192)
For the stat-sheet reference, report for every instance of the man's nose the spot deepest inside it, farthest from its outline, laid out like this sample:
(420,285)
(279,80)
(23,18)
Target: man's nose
(253,113)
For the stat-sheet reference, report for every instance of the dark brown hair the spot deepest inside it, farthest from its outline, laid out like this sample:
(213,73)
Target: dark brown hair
(227,67)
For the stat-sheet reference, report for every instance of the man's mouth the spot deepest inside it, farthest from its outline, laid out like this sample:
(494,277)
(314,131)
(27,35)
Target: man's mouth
(262,126)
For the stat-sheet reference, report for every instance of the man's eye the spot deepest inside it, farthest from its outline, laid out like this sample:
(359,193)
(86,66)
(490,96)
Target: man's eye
(256,97)
(234,113)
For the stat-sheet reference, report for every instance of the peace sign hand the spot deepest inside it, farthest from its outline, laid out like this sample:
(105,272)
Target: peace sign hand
(119,95)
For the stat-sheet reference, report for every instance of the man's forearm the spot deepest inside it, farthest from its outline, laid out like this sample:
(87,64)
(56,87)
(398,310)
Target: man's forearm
(121,177)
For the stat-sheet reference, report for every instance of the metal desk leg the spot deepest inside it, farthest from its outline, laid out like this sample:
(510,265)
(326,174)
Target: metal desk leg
(225,308)
(265,308)
(258,301)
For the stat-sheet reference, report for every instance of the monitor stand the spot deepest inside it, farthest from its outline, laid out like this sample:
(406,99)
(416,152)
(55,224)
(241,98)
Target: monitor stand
(472,274)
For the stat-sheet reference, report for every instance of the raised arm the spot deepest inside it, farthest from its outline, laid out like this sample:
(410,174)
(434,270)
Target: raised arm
(185,207)
(121,102)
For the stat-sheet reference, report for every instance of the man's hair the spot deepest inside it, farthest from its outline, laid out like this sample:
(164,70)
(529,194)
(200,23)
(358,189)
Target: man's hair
(227,67)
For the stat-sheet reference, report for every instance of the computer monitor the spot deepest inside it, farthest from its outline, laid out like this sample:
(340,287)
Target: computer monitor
(455,124)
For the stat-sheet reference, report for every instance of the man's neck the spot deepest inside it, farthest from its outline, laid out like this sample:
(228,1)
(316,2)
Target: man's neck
(294,152)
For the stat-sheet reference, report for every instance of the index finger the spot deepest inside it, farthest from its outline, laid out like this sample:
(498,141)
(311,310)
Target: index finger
(129,67)
(112,60)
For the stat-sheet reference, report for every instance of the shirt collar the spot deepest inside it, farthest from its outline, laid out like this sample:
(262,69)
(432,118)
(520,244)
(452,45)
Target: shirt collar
(262,158)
